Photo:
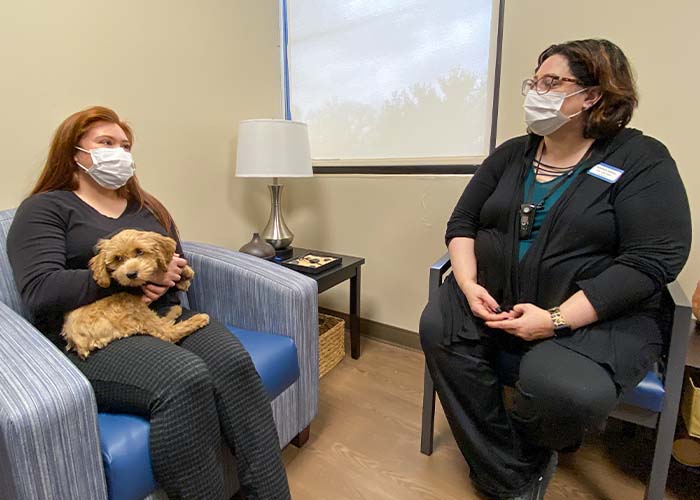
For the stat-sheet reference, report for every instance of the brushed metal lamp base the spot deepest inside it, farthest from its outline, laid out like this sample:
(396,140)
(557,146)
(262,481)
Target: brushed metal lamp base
(276,232)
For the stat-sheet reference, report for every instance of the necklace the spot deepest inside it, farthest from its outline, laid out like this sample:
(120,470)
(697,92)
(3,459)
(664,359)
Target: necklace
(556,172)
(552,171)
(542,164)
(542,168)
(528,209)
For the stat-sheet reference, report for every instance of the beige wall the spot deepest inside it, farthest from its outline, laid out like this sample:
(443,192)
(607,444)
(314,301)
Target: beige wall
(184,74)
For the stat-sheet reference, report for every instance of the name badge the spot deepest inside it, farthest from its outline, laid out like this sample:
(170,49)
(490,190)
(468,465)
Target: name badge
(606,172)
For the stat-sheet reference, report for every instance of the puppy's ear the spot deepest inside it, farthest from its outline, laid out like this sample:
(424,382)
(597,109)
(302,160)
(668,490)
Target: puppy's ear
(164,250)
(98,265)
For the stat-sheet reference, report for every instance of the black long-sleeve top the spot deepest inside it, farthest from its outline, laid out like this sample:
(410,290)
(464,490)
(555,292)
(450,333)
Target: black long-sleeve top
(619,242)
(50,243)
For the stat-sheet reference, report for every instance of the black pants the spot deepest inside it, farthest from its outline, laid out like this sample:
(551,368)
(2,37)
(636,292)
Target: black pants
(192,394)
(560,394)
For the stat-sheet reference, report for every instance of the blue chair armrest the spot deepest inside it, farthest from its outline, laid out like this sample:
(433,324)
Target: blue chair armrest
(49,445)
(253,294)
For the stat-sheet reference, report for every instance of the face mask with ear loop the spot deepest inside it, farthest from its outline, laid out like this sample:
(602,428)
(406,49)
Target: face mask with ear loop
(111,167)
(543,112)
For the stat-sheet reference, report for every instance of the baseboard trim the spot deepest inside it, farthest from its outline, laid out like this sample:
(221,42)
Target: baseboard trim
(380,331)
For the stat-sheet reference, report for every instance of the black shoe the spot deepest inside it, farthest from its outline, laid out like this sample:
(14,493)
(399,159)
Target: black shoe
(539,486)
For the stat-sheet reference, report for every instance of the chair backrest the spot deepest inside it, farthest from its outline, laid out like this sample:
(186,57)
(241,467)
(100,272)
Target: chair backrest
(8,290)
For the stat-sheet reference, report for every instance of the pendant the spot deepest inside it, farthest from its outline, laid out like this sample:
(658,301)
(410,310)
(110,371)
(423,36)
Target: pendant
(526,220)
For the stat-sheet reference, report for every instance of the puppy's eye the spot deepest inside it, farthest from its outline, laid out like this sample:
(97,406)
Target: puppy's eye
(118,258)
(138,251)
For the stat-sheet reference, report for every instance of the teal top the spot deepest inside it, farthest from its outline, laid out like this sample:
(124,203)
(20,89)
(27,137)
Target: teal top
(539,191)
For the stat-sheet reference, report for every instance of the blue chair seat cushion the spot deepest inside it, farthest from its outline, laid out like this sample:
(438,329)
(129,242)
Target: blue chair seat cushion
(126,456)
(274,357)
(124,438)
(648,394)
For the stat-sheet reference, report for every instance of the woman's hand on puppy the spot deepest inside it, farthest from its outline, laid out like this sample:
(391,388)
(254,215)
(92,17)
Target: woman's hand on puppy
(482,304)
(527,321)
(162,281)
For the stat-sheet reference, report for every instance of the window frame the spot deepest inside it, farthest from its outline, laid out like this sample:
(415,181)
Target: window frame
(387,167)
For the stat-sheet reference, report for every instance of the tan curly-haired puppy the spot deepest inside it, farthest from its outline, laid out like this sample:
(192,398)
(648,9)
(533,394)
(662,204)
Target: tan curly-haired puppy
(132,258)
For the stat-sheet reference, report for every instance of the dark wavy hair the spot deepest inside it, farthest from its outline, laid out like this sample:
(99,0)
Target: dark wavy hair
(600,63)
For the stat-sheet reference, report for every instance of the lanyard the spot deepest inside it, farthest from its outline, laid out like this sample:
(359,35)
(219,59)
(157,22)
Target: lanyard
(526,215)
(529,191)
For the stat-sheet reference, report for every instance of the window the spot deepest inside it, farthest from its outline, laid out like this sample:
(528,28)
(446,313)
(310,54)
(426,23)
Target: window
(392,84)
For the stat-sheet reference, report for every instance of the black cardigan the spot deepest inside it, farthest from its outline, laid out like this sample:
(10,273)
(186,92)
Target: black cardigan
(49,244)
(620,243)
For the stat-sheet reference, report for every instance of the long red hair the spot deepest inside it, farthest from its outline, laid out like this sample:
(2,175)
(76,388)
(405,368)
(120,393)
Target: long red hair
(61,172)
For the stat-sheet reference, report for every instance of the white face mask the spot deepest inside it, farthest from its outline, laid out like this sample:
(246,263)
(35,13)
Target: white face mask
(542,112)
(111,167)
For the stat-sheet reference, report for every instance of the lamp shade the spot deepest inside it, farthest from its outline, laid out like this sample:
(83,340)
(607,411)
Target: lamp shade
(273,148)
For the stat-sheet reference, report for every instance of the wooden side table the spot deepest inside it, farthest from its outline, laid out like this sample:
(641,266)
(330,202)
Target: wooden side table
(349,269)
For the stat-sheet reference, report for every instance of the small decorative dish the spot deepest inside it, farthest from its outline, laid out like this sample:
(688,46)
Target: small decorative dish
(312,263)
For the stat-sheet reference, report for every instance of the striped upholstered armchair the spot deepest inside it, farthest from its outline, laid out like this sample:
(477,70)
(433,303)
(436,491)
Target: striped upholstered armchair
(53,442)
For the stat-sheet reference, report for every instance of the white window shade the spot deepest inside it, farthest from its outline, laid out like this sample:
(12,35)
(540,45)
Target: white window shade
(405,82)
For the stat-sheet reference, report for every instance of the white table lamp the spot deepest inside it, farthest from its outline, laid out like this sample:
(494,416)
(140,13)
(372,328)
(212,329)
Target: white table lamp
(274,148)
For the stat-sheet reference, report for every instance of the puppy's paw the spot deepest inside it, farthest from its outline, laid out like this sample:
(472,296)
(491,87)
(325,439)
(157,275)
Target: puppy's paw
(183,285)
(185,279)
(76,343)
(173,313)
(199,320)
(83,353)
(187,273)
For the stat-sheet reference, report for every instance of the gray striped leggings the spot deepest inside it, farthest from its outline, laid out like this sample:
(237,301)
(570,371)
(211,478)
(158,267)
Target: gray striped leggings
(193,393)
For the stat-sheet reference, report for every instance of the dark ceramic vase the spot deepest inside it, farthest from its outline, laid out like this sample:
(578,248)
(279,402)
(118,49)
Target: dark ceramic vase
(258,247)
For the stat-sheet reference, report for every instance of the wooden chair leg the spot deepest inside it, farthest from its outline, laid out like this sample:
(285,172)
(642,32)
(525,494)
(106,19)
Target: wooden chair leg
(428,423)
(300,439)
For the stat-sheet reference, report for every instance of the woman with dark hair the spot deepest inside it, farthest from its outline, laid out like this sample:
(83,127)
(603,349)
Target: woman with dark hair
(561,246)
(193,393)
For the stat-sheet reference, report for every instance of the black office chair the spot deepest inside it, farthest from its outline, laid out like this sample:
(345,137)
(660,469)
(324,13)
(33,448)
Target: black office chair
(653,403)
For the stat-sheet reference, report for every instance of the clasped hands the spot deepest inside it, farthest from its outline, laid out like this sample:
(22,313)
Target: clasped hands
(160,284)
(526,321)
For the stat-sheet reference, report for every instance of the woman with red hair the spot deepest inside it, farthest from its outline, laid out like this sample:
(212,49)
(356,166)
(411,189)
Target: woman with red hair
(192,393)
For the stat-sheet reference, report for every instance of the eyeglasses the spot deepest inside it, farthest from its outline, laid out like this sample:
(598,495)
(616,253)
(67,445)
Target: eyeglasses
(546,83)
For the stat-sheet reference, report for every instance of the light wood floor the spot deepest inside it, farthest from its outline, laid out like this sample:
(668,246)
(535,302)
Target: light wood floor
(364,444)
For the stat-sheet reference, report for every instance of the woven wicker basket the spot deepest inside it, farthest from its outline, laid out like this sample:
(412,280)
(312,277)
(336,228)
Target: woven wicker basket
(331,342)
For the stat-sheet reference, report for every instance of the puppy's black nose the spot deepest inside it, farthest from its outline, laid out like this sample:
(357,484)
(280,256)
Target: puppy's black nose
(131,276)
